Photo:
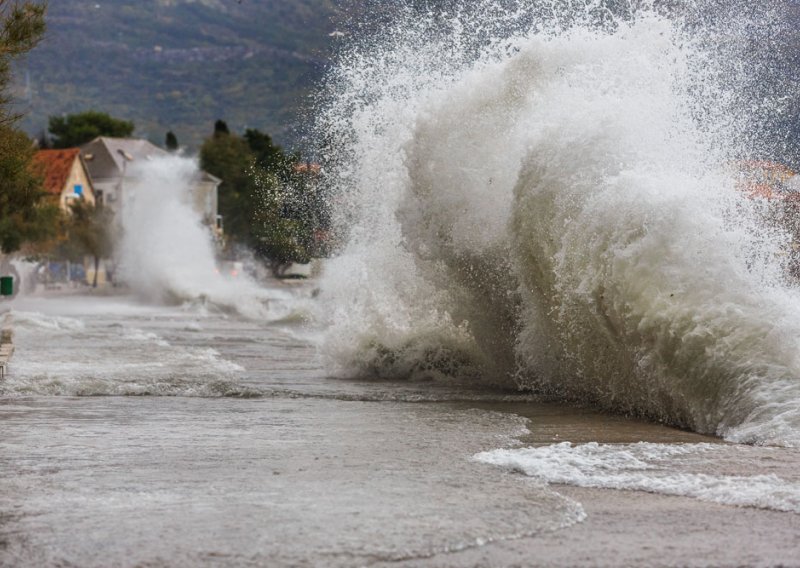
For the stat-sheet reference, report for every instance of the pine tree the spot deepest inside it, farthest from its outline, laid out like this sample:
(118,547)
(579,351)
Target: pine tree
(229,158)
(76,129)
(23,215)
(171,141)
(221,128)
(266,205)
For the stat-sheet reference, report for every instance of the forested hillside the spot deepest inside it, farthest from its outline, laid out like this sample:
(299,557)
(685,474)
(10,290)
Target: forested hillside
(180,64)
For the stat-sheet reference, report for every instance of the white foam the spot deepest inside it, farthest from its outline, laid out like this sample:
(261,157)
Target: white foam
(654,468)
(133,334)
(58,355)
(35,320)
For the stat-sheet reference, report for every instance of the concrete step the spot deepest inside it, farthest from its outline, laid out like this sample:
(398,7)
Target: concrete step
(6,350)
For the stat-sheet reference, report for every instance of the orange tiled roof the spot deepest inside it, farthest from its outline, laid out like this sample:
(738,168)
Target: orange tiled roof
(306,167)
(55,166)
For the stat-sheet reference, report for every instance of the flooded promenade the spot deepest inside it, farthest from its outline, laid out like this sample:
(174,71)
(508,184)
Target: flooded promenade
(136,435)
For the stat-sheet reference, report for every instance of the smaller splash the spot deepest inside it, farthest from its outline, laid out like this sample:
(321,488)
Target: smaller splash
(654,468)
(167,255)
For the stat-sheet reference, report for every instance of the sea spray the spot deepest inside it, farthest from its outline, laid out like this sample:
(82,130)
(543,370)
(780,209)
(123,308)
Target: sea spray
(557,207)
(166,253)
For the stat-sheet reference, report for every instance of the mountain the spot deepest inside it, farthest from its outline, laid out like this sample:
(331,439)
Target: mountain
(181,64)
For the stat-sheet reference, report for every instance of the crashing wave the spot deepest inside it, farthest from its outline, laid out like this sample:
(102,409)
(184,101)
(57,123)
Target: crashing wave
(544,202)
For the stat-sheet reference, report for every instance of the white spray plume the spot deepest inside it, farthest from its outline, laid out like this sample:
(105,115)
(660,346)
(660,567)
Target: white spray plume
(166,253)
(555,206)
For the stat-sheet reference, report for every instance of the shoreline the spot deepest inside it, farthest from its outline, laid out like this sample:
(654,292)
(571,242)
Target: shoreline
(553,422)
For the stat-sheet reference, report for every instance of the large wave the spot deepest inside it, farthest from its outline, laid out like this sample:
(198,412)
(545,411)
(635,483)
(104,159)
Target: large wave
(548,201)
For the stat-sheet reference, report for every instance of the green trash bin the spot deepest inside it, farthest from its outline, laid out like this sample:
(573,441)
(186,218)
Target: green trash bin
(6,285)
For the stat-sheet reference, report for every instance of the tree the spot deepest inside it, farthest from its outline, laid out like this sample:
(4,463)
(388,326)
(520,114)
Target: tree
(229,158)
(76,129)
(171,141)
(221,128)
(21,29)
(265,204)
(268,155)
(89,233)
(24,215)
(282,230)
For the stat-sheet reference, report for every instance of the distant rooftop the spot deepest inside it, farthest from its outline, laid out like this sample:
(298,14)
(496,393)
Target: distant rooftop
(107,158)
(55,166)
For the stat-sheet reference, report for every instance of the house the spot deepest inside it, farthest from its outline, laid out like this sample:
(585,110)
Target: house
(110,162)
(66,177)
